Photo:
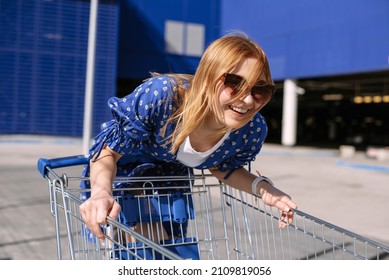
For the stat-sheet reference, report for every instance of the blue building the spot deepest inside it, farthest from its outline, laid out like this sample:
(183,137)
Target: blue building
(330,60)
(43,51)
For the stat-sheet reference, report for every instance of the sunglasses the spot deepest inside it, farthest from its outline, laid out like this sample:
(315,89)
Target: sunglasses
(259,92)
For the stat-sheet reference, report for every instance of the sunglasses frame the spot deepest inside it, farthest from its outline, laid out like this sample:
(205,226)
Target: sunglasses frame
(233,81)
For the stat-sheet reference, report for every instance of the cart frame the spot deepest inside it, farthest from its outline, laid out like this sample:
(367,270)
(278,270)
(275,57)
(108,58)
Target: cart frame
(215,221)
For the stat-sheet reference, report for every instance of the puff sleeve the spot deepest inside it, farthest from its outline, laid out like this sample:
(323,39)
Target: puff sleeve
(134,117)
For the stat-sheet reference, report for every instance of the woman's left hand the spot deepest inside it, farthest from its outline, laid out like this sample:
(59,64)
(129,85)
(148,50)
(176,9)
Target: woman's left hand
(274,197)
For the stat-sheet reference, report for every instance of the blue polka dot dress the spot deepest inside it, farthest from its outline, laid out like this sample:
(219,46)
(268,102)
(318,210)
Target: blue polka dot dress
(135,133)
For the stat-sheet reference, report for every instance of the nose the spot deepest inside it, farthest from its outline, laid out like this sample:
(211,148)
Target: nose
(253,102)
(248,99)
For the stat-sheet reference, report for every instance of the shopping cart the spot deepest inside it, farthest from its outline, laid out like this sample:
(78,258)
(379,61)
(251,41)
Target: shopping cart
(202,219)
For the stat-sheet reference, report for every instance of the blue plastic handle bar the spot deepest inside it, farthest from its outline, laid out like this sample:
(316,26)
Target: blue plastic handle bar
(43,163)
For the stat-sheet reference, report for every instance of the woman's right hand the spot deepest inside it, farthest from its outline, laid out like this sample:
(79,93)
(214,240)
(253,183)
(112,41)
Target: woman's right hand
(95,210)
(101,203)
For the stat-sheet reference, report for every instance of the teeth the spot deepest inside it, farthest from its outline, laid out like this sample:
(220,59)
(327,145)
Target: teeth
(239,110)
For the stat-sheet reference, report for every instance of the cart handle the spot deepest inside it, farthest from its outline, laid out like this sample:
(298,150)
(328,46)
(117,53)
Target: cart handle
(44,163)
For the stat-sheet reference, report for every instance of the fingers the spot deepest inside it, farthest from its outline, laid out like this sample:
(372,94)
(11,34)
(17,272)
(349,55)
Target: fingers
(114,213)
(101,216)
(96,229)
(286,206)
(89,217)
(95,214)
(84,214)
(285,219)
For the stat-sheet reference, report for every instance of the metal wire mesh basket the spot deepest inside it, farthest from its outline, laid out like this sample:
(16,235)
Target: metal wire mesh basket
(202,219)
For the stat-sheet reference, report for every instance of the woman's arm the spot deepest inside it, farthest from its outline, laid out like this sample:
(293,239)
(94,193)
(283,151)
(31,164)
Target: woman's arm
(242,179)
(101,203)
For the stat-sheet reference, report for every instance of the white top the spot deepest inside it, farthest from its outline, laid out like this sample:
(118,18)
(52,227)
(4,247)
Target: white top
(188,156)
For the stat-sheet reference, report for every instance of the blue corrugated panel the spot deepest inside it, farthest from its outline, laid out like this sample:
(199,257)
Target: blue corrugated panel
(315,38)
(142,30)
(43,50)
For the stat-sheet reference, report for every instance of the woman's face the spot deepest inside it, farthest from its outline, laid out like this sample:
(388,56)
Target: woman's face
(239,112)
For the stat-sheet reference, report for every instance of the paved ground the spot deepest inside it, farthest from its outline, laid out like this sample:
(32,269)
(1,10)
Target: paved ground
(351,193)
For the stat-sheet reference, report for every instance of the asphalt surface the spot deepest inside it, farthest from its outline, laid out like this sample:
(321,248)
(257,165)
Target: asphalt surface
(352,193)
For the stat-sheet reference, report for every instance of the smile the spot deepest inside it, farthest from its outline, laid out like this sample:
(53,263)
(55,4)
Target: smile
(238,110)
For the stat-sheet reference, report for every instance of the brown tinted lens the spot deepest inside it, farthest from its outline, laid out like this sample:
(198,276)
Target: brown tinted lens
(232,80)
(263,91)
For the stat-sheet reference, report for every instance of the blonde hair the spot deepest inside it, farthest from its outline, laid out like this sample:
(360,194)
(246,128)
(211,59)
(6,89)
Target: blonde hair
(199,99)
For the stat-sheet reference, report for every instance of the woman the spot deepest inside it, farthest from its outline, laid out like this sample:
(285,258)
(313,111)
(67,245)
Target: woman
(207,121)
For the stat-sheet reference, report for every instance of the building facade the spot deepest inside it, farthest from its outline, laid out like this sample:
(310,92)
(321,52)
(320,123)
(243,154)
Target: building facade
(330,60)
